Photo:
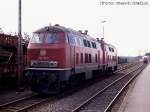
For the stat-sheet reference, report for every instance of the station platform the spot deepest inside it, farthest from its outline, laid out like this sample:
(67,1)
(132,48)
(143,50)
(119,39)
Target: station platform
(138,96)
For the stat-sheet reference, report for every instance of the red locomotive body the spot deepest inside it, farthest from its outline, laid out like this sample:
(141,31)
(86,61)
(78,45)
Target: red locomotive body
(58,56)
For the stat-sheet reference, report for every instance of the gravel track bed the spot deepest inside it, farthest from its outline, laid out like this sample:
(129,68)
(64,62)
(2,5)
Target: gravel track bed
(8,96)
(100,102)
(124,68)
(130,67)
(124,65)
(68,103)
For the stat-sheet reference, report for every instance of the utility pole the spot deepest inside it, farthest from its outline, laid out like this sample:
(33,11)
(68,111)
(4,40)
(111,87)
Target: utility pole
(20,49)
(103,27)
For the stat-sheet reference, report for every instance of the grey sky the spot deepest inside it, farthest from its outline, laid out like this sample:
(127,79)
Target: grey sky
(127,27)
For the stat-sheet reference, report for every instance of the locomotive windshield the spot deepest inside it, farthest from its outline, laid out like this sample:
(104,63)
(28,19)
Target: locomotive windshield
(52,38)
(37,38)
(45,38)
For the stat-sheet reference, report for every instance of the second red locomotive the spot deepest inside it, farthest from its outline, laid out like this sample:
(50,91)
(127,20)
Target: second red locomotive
(59,56)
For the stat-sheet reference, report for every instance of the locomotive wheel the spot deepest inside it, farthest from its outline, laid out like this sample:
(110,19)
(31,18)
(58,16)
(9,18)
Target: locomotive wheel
(81,78)
(55,87)
(74,80)
(115,68)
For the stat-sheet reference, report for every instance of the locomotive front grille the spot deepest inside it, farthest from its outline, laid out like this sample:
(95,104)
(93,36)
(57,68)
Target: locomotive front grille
(49,64)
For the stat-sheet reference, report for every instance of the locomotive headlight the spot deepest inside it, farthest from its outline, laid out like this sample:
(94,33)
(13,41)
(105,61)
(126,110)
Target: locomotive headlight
(53,64)
(33,63)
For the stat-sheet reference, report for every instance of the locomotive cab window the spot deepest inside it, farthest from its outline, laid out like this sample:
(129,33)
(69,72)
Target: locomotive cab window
(79,41)
(71,39)
(52,38)
(37,38)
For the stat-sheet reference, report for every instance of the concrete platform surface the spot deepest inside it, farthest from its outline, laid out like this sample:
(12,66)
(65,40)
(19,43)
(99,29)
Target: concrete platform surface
(139,97)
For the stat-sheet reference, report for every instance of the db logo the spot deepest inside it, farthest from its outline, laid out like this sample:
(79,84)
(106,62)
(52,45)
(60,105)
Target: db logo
(42,52)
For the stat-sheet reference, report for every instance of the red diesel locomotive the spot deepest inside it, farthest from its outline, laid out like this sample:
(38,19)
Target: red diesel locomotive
(59,56)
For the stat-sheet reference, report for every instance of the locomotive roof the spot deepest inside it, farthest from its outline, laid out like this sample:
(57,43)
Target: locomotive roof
(58,28)
(52,29)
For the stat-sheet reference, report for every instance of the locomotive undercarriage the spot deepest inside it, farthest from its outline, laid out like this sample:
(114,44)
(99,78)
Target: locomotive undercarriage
(47,82)
(53,81)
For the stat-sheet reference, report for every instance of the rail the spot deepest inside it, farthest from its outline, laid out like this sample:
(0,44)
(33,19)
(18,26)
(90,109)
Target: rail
(79,107)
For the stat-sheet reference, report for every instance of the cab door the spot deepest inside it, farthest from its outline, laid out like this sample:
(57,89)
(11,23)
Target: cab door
(72,51)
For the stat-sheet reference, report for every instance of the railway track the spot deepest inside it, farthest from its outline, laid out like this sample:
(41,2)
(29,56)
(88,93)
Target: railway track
(69,102)
(124,67)
(33,101)
(109,94)
(21,104)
